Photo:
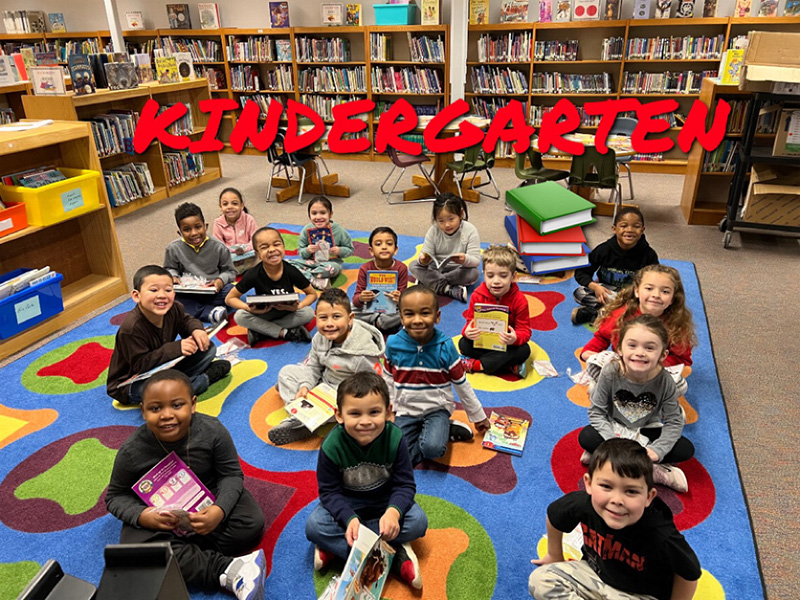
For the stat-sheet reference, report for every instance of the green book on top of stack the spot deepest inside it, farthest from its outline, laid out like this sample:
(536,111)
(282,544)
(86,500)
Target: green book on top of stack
(549,207)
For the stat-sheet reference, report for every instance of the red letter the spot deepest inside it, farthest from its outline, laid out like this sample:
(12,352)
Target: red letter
(342,123)
(610,109)
(294,142)
(520,130)
(648,125)
(209,141)
(246,127)
(390,129)
(693,128)
(470,135)
(151,127)
(552,130)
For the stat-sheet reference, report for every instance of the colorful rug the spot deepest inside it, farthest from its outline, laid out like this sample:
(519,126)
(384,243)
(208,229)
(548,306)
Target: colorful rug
(59,433)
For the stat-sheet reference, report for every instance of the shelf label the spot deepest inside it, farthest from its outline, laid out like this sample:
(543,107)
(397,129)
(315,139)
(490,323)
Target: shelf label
(27,310)
(5,224)
(72,199)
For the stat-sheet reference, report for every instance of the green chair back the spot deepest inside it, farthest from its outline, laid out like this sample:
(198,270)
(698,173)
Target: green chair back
(593,169)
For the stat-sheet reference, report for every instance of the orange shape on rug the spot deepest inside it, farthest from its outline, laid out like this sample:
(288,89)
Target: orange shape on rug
(268,411)
(15,424)
(437,552)
(466,454)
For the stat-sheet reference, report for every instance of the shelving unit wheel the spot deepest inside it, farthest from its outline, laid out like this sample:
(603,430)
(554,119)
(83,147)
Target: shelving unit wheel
(726,241)
(723,224)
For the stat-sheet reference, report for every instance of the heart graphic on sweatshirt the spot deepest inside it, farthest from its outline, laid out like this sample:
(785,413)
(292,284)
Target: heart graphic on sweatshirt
(633,407)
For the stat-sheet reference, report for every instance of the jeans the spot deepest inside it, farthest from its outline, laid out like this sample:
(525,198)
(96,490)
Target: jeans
(199,305)
(195,367)
(426,436)
(326,532)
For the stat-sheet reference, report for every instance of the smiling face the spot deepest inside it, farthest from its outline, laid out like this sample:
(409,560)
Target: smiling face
(334,321)
(642,353)
(498,279)
(231,206)
(383,248)
(655,293)
(319,215)
(628,230)
(364,418)
(269,248)
(167,408)
(447,221)
(620,501)
(193,230)
(155,297)
(419,315)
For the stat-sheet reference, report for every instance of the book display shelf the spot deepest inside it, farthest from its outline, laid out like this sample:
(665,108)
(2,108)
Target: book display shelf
(83,108)
(84,249)
(11,97)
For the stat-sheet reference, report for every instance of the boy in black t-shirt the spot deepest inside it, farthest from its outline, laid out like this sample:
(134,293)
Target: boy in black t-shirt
(272,276)
(631,547)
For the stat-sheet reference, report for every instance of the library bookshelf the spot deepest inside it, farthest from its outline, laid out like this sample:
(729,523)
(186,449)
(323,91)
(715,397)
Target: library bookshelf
(11,96)
(83,249)
(82,108)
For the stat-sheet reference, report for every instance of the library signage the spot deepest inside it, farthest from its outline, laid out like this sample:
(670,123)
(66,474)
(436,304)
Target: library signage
(508,125)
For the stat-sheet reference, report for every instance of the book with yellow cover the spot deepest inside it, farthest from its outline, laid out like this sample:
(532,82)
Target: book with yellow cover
(167,69)
(730,67)
(492,320)
(478,12)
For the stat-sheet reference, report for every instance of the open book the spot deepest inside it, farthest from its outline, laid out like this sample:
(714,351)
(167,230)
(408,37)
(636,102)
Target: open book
(366,569)
(316,409)
(440,264)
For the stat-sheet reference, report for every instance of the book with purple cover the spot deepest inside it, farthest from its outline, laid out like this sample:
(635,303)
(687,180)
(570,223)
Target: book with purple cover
(172,484)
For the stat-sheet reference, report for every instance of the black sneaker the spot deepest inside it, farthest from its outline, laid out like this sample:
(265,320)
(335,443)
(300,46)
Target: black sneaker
(254,337)
(460,432)
(287,431)
(217,370)
(406,566)
(297,334)
(583,314)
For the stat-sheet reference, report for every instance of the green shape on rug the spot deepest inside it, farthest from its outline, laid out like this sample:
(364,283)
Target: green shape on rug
(76,481)
(15,576)
(54,385)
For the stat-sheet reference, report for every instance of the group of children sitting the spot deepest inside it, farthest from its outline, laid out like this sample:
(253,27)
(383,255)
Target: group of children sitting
(402,364)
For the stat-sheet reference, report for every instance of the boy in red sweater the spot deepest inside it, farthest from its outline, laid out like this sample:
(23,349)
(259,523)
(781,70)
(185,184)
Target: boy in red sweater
(498,288)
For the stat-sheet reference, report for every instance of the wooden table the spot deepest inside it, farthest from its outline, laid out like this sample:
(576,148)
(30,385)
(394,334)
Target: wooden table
(291,187)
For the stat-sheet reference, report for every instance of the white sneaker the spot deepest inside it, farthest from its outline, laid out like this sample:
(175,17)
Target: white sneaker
(320,283)
(245,576)
(586,457)
(670,476)
(217,315)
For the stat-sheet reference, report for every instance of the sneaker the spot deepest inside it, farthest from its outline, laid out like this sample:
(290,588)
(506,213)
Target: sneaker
(583,314)
(320,283)
(217,370)
(244,577)
(254,337)
(289,430)
(469,364)
(460,432)
(670,476)
(322,558)
(586,457)
(459,292)
(406,566)
(520,370)
(297,334)
(217,315)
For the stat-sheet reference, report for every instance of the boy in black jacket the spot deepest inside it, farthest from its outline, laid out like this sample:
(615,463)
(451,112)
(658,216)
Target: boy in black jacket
(615,261)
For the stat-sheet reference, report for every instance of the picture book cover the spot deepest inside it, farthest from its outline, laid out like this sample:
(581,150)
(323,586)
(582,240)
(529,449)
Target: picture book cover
(514,11)
(613,10)
(178,16)
(429,12)
(279,14)
(491,320)
(743,8)
(663,9)
(586,10)
(167,69)
(563,10)
(316,409)
(567,241)
(366,569)
(8,70)
(730,68)
(506,434)
(209,15)
(45,58)
(28,57)
(47,81)
(185,65)
(332,13)
(710,8)
(792,8)
(134,19)
(80,70)
(144,68)
(642,9)
(685,9)
(37,22)
(549,207)
(121,75)
(382,283)
(545,11)
(319,234)
(478,12)
(768,8)
(57,23)
(352,14)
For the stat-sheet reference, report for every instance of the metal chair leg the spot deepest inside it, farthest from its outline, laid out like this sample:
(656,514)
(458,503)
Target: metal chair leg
(428,176)
(302,184)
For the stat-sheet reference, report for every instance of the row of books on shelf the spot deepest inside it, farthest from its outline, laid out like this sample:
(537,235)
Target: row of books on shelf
(251,78)
(183,166)
(422,110)
(406,80)
(202,50)
(502,80)
(113,132)
(323,105)
(510,47)
(260,49)
(182,126)
(128,182)
(426,49)
(723,159)
(25,21)
(34,178)
(767,117)
(214,75)
(612,48)
(7,115)
(263,101)
(667,82)
(333,79)
(322,50)
(676,48)
(572,83)
(556,50)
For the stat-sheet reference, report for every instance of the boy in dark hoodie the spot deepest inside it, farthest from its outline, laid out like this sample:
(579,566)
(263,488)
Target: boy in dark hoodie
(615,261)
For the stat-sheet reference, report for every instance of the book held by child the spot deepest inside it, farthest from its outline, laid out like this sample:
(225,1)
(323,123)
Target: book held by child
(492,320)
(382,283)
(316,408)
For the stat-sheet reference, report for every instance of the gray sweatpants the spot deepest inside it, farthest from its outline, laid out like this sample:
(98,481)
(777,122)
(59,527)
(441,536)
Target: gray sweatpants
(450,275)
(574,580)
(271,327)
(380,321)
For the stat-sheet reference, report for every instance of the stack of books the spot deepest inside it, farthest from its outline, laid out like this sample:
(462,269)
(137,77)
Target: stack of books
(546,229)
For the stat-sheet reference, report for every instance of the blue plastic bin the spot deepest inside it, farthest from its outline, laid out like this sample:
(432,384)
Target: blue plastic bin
(30,306)
(395,14)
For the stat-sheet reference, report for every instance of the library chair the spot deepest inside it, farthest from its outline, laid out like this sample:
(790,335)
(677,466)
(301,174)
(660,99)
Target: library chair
(598,171)
(625,126)
(402,162)
(284,161)
(537,172)
(475,160)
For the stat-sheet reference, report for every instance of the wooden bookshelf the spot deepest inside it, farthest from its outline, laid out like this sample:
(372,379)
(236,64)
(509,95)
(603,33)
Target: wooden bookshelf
(83,249)
(11,96)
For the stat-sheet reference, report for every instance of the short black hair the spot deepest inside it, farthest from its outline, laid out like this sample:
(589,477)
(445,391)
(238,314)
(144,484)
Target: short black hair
(262,230)
(359,385)
(419,289)
(627,210)
(627,458)
(188,209)
(378,230)
(334,297)
(147,271)
(168,375)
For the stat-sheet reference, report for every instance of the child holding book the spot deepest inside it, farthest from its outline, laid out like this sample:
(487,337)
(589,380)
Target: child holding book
(211,549)
(322,244)
(614,261)
(204,260)
(235,228)
(365,476)
(454,239)
(342,346)
(636,398)
(649,558)
(425,366)
(273,276)
(146,339)
(498,288)
(383,248)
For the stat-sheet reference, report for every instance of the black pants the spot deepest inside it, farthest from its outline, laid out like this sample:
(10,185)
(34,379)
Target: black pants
(494,361)
(203,558)
(683,449)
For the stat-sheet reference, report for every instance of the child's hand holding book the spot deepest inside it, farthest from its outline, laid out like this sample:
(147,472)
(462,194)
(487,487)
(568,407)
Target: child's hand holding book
(472,332)
(158,520)
(205,521)
(390,524)
(351,535)
(509,337)
(366,296)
